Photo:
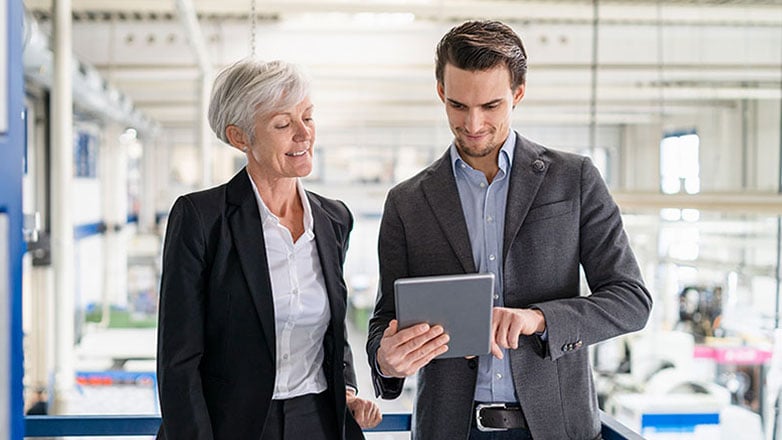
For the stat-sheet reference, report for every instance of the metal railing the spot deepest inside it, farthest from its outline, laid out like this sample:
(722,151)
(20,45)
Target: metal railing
(86,426)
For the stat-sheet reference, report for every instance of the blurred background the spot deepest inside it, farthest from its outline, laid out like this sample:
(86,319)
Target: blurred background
(676,101)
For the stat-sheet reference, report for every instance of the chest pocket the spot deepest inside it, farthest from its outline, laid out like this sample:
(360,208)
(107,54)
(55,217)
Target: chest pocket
(549,210)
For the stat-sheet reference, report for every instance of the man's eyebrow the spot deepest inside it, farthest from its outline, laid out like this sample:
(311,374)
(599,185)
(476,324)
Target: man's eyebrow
(492,102)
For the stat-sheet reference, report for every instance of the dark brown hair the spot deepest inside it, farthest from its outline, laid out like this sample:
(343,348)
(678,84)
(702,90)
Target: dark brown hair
(482,45)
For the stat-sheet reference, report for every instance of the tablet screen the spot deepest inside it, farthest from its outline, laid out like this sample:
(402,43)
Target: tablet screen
(462,304)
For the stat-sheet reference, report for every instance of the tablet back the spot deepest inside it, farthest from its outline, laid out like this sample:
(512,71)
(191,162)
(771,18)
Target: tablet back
(462,304)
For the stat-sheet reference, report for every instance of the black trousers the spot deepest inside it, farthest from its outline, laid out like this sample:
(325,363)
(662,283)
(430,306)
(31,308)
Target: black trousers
(511,434)
(310,417)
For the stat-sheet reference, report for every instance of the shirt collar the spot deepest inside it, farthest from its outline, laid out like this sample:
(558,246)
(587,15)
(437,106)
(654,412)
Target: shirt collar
(266,214)
(504,159)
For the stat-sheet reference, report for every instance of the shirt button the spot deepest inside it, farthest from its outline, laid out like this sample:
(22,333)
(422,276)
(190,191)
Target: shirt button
(489,219)
(285,356)
(496,296)
(492,257)
(482,185)
(464,166)
(295,291)
(499,376)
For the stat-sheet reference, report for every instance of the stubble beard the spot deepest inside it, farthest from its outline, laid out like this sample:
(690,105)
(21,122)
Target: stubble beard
(472,152)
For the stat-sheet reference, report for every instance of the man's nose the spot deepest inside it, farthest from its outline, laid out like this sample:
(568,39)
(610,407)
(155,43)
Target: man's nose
(473,121)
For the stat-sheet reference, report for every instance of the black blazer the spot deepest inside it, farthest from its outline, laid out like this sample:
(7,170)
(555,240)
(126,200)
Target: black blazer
(216,339)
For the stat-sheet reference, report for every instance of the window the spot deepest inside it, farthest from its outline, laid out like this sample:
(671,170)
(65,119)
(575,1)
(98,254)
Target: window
(679,168)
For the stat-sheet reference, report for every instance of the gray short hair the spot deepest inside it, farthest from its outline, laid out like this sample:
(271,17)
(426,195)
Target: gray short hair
(251,87)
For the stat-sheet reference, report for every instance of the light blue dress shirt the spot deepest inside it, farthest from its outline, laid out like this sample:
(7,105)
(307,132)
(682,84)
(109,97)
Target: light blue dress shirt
(484,204)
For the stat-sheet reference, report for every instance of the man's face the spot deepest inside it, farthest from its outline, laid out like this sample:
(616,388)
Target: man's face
(479,105)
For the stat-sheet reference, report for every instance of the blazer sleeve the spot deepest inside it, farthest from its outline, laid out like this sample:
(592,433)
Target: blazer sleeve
(619,302)
(392,255)
(181,326)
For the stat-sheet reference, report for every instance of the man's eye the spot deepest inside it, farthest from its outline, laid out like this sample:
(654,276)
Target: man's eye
(280,127)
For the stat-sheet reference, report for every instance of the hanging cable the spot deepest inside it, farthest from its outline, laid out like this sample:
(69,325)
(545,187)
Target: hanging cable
(253,18)
(660,82)
(593,94)
(778,275)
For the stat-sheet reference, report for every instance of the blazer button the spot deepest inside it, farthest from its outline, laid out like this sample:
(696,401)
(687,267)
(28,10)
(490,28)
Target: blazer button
(538,166)
(472,363)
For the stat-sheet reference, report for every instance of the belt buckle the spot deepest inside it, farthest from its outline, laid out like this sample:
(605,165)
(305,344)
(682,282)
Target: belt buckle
(482,406)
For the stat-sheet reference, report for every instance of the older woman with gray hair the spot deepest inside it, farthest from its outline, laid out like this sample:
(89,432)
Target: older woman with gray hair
(251,334)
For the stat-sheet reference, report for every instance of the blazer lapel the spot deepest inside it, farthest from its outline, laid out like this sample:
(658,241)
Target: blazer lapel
(527,173)
(329,255)
(244,221)
(443,196)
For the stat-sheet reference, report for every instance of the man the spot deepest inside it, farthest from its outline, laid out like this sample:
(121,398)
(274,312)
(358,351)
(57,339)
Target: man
(497,202)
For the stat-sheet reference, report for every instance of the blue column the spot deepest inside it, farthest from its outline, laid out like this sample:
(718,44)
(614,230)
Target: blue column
(12,142)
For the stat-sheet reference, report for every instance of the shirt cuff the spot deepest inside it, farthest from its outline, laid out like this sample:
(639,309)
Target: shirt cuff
(380,372)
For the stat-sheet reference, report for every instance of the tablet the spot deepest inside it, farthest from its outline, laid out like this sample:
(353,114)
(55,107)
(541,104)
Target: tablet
(462,304)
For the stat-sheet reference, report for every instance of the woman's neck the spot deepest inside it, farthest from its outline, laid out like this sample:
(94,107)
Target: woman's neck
(280,195)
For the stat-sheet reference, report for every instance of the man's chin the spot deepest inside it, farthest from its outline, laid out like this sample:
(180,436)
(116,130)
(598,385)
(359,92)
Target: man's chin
(479,149)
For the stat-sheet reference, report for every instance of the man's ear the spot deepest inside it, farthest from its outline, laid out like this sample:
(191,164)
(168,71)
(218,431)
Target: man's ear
(518,94)
(441,91)
(237,138)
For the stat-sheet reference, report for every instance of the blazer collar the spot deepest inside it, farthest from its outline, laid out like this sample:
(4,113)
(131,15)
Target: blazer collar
(244,221)
(440,191)
(331,257)
(530,165)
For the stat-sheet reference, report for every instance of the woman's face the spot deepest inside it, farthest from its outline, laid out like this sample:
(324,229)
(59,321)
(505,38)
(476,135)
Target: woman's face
(284,142)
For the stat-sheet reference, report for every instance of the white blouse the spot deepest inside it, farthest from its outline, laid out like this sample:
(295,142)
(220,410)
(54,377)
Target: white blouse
(301,307)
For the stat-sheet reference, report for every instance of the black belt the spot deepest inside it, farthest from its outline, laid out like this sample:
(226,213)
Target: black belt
(499,416)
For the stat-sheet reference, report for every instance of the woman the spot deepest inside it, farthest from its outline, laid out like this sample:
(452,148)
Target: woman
(251,335)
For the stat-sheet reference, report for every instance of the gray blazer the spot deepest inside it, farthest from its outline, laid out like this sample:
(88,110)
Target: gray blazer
(559,215)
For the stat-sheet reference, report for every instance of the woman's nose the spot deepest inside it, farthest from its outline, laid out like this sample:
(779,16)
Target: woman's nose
(303,132)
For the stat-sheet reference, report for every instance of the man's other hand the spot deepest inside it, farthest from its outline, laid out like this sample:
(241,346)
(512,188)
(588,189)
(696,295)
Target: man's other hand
(509,324)
(403,352)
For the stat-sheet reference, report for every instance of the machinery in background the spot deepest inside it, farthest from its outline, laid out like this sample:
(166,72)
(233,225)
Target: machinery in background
(701,381)
(700,311)
(663,394)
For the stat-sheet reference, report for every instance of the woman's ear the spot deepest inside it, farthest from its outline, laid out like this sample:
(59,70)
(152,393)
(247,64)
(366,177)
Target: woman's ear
(237,138)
